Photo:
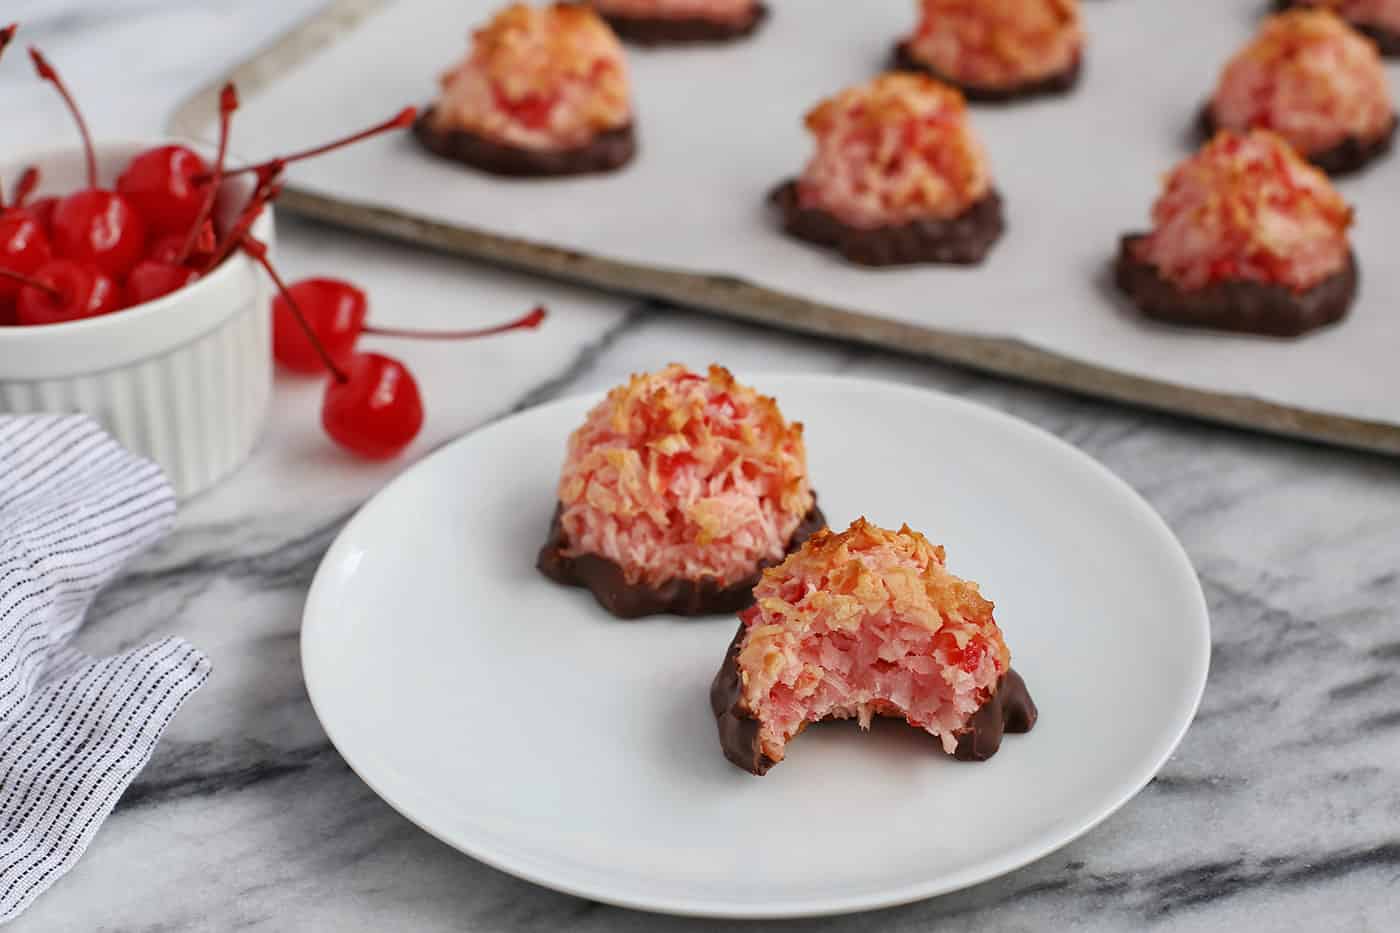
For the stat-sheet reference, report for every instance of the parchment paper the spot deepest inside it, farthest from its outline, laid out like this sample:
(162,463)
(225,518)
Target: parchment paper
(720,125)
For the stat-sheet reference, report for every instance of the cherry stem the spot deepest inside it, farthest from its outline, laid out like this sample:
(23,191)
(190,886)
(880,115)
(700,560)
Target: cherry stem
(47,72)
(258,250)
(28,181)
(243,224)
(399,121)
(530,320)
(23,279)
(228,103)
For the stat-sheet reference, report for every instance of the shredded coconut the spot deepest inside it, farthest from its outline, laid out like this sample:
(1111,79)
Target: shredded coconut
(998,43)
(1309,77)
(679,475)
(862,623)
(1247,207)
(550,77)
(894,150)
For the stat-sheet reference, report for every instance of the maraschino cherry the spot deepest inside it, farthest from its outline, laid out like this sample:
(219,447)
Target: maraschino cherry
(372,406)
(28,181)
(160,184)
(336,311)
(23,248)
(92,225)
(166,267)
(41,209)
(151,279)
(62,290)
(65,259)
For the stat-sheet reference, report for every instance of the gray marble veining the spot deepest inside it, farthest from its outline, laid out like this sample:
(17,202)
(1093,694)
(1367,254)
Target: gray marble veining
(1280,810)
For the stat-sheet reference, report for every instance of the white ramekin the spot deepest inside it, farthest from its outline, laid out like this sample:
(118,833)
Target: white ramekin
(184,380)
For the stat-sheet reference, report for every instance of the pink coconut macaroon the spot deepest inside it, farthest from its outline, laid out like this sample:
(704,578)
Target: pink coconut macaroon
(659,22)
(1246,236)
(676,492)
(997,50)
(543,91)
(1379,19)
(1315,81)
(866,623)
(898,176)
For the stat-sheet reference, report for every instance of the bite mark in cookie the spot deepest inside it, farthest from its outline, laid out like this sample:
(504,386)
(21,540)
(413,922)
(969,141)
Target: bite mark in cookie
(859,624)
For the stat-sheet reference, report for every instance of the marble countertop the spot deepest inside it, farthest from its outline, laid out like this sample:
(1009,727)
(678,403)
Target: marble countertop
(1278,812)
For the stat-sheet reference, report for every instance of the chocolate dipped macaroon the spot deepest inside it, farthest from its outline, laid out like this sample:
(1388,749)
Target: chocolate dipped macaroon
(1246,237)
(543,91)
(676,492)
(1377,19)
(866,623)
(997,50)
(898,177)
(1316,82)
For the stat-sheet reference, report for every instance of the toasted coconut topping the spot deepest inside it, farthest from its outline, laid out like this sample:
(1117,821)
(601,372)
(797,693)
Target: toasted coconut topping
(678,475)
(1309,77)
(1247,207)
(549,77)
(719,11)
(998,43)
(863,622)
(896,149)
(1382,13)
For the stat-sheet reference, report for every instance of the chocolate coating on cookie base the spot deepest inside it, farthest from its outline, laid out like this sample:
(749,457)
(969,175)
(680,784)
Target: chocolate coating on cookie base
(672,30)
(1350,155)
(1240,306)
(627,600)
(738,727)
(1388,39)
(607,151)
(964,240)
(1010,709)
(1060,82)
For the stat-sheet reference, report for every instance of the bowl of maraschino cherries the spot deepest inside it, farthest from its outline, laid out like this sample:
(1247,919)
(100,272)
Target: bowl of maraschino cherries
(135,280)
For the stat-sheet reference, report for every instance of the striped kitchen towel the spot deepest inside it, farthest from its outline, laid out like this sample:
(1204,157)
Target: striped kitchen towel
(74,730)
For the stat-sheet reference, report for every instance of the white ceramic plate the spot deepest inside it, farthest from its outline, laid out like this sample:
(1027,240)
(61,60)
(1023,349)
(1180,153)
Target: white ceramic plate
(515,720)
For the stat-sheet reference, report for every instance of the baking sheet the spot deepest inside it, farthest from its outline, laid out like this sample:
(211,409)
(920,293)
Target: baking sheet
(719,126)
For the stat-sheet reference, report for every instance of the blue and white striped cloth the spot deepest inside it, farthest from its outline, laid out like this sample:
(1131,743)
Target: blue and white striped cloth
(74,730)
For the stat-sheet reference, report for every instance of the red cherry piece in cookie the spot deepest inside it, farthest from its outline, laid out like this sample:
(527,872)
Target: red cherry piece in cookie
(376,411)
(101,228)
(160,184)
(151,279)
(63,290)
(23,248)
(336,312)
